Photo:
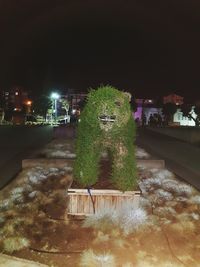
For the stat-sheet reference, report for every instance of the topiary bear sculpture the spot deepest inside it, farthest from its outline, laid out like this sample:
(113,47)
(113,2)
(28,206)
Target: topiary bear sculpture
(106,123)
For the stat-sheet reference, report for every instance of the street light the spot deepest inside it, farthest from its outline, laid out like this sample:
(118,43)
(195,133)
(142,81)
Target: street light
(28,106)
(55,96)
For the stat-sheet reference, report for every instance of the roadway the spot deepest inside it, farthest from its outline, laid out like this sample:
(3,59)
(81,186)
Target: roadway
(16,143)
(180,157)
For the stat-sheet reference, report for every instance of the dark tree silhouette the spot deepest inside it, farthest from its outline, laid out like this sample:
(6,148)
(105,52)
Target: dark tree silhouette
(168,110)
(41,104)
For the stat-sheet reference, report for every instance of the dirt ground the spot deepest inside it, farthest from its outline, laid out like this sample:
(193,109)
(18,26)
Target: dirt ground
(34,207)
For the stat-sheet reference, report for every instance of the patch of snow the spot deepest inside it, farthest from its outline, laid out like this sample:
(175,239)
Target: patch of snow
(17,199)
(184,189)
(151,181)
(17,190)
(99,218)
(36,179)
(160,193)
(195,216)
(58,154)
(5,204)
(71,155)
(59,146)
(33,194)
(38,174)
(89,258)
(17,195)
(142,188)
(53,170)
(141,153)
(154,170)
(164,211)
(169,185)
(181,199)
(131,219)
(163,174)
(195,199)
(128,218)
(12,244)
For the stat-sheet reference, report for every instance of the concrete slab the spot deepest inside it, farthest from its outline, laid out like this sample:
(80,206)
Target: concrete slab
(151,163)
(59,163)
(10,261)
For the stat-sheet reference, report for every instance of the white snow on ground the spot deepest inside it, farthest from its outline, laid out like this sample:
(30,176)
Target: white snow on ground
(162,194)
(168,197)
(65,150)
(141,153)
(33,194)
(5,204)
(195,199)
(162,174)
(17,195)
(34,176)
(163,211)
(131,218)
(90,258)
(59,150)
(128,219)
(61,154)
(38,174)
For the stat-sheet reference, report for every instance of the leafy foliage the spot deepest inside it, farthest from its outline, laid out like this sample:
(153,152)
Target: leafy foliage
(96,136)
(169,109)
(65,105)
(42,103)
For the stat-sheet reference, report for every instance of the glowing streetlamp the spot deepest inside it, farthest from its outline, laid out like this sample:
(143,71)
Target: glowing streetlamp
(28,106)
(55,96)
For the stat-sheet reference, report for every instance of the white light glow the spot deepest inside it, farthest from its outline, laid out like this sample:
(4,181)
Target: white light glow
(55,95)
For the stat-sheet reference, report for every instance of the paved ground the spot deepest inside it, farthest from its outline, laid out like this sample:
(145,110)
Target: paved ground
(10,261)
(15,143)
(181,157)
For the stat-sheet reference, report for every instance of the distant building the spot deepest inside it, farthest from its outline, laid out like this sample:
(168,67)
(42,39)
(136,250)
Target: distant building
(75,99)
(182,120)
(173,98)
(17,97)
(146,107)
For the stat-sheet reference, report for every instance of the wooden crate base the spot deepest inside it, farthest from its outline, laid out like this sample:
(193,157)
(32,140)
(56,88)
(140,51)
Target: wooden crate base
(81,203)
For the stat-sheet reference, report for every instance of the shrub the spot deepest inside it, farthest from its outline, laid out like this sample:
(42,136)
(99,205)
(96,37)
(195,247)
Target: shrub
(106,123)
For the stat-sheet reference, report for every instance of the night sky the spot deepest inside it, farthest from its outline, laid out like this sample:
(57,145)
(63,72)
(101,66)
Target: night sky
(149,48)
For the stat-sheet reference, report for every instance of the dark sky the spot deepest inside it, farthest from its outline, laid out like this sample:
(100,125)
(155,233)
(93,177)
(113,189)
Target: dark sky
(142,46)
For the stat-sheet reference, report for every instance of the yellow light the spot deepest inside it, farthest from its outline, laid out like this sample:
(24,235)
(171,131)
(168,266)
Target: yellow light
(29,103)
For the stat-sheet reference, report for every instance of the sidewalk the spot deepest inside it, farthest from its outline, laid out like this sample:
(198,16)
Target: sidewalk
(10,261)
(180,157)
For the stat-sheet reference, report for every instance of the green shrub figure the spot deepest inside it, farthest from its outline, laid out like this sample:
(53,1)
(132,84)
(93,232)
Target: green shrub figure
(106,123)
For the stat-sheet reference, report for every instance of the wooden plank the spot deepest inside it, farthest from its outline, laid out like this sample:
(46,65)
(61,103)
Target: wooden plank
(80,202)
(59,163)
(151,163)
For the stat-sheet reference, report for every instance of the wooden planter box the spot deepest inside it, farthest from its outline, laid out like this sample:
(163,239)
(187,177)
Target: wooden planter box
(80,202)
